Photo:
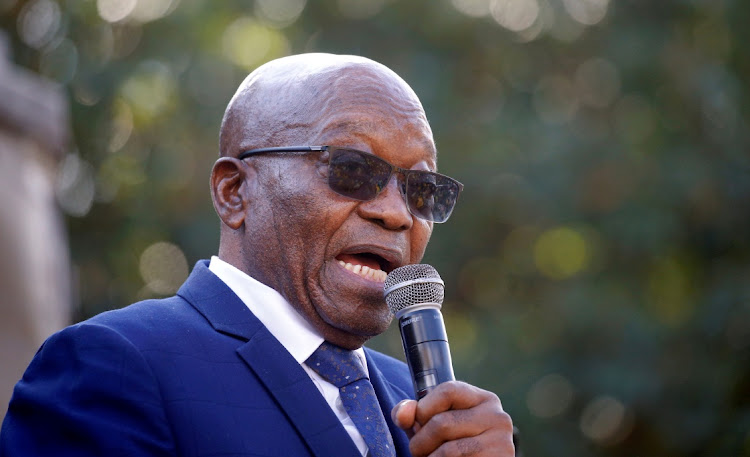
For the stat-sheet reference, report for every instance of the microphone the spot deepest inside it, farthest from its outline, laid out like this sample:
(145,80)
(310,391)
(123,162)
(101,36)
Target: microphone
(414,294)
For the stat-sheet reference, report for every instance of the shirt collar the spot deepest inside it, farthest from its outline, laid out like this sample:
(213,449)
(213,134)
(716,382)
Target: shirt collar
(281,319)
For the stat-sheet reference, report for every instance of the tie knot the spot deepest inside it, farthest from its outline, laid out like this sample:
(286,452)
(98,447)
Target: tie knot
(336,365)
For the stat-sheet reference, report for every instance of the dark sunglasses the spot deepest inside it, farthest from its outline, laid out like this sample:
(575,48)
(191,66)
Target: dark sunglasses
(362,176)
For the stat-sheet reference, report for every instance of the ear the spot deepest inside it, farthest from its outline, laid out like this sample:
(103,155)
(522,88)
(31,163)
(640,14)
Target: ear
(229,190)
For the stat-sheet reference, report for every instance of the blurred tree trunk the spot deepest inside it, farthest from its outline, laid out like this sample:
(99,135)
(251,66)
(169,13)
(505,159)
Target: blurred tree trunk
(35,293)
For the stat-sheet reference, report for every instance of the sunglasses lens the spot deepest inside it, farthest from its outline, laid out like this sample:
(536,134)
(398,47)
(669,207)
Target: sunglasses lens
(362,176)
(431,196)
(357,175)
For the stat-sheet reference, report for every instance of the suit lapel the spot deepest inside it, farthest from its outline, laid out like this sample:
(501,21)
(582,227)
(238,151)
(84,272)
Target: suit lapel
(295,392)
(388,396)
(284,378)
(218,304)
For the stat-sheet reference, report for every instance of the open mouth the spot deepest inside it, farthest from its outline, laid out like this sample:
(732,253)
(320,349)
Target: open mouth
(368,265)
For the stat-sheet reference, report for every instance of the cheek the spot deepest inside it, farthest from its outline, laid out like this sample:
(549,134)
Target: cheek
(297,199)
(306,219)
(292,217)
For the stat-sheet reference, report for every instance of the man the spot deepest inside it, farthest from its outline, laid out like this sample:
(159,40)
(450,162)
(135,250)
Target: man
(232,364)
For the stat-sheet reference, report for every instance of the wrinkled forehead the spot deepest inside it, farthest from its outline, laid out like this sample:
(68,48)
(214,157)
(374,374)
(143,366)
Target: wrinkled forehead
(360,102)
(296,97)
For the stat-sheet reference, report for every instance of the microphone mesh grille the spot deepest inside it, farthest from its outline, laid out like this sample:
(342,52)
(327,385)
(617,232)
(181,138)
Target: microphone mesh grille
(416,293)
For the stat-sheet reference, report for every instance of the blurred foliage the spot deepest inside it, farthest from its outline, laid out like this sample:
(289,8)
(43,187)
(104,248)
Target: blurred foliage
(598,264)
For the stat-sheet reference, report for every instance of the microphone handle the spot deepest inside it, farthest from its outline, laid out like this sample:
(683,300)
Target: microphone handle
(427,353)
(426,347)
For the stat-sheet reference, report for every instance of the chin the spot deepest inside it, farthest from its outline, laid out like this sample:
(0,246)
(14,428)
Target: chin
(355,314)
(352,335)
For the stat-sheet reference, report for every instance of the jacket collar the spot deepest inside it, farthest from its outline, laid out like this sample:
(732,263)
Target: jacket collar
(218,304)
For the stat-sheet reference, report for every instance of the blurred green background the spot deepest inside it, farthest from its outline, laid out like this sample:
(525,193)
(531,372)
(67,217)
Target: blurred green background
(598,264)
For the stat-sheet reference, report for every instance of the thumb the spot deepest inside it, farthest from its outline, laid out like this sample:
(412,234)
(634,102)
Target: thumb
(404,416)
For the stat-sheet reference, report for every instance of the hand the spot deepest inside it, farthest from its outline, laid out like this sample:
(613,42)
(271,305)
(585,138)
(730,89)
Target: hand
(456,419)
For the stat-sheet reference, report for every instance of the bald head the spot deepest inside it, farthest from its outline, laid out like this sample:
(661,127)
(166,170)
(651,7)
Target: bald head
(288,100)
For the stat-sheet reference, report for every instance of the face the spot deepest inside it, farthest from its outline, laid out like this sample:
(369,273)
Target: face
(328,254)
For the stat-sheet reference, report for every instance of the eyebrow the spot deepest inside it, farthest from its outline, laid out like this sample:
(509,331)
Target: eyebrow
(357,128)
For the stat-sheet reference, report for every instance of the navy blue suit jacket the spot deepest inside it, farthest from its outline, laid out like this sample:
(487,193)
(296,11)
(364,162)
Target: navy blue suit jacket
(196,374)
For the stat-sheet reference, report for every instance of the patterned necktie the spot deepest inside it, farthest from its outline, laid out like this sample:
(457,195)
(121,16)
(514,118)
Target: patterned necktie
(343,369)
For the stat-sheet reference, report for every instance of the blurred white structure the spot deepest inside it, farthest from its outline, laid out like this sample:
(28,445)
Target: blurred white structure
(35,294)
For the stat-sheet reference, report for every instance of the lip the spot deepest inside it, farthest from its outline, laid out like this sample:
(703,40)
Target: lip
(388,258)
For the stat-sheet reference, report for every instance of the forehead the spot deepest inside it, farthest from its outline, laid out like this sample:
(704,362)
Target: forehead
(388,123)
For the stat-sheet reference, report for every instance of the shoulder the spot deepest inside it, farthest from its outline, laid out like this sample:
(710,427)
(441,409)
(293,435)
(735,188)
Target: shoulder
(136,335)
(96,362)
(146,316)
(124,331)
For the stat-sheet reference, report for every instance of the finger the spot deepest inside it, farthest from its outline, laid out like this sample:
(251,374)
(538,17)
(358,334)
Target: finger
(485,420)
(450,396)
(404,414)
(487,444)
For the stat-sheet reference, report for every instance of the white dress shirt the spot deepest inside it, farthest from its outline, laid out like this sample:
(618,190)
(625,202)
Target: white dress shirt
(292,331)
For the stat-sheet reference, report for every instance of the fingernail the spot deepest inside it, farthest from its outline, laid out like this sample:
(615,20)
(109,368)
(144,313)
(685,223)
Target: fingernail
(397,408)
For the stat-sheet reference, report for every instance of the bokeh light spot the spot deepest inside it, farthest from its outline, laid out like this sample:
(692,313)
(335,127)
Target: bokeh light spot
(561,26)
(560,253)
(163,267)
(515,15)
(248,43)
(472,8)
(38,22)
(125,39)
(75,186)
(84,93)
(280,13)
(550,396)
(151,10)
(150,91)
(669,291)
(605,421)
(114,10)
(587,12)
(118,172)
(122,125)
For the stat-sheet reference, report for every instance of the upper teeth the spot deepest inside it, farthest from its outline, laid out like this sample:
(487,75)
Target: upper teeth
(365,271)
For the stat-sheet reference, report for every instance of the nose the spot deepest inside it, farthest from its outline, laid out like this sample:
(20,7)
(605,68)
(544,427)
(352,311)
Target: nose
(388,209)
